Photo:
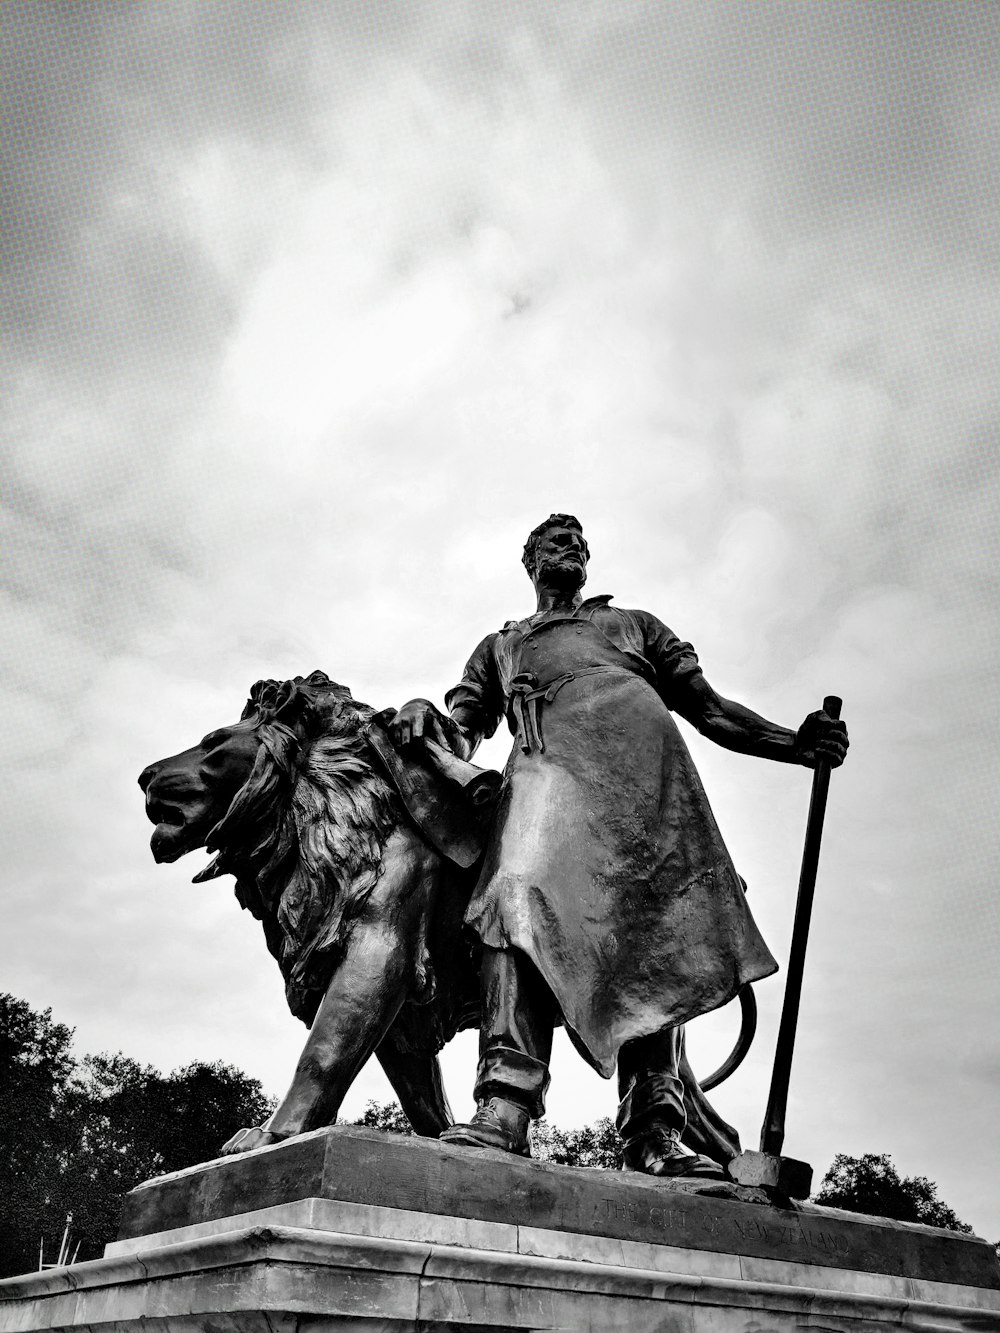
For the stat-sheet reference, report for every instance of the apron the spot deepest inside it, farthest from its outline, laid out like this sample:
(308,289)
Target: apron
(605,864)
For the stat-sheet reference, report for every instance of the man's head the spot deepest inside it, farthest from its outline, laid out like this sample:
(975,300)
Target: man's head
(556,553)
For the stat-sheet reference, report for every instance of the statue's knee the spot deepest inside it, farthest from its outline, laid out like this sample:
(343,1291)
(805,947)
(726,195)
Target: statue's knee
(316,1066)
(381,955)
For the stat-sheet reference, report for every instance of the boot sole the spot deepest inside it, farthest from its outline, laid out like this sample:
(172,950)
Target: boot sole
(465,1139)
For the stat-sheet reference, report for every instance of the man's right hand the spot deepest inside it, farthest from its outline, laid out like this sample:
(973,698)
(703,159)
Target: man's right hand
(419,720)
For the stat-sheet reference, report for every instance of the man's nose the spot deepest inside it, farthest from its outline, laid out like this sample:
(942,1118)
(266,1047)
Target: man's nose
(147,775)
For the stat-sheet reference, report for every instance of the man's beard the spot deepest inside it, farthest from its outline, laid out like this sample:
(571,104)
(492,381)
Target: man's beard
(563,575)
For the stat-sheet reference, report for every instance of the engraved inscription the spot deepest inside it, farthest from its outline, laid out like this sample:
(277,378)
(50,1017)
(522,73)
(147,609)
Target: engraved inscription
(660,1216)
(827,1240)
(793,1235)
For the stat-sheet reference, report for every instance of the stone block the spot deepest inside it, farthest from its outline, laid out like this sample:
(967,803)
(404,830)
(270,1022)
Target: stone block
(786,1175)
(360,1166)
(287,1280)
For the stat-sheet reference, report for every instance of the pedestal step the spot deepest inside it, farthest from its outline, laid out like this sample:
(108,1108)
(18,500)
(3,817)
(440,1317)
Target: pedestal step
(348,1231)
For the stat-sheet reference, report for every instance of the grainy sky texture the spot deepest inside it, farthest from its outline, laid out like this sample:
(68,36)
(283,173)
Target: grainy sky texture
(310,311)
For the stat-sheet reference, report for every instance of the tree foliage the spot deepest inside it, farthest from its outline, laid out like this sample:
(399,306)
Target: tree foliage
(597,1145)
(387,1117)
(35,1069)
(872,1185)
(80,1135)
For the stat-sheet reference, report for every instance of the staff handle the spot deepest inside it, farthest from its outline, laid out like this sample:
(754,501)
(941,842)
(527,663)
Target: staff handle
(772,1136)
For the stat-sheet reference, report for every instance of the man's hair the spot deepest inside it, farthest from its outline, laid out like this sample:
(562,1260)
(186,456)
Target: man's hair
(536,534)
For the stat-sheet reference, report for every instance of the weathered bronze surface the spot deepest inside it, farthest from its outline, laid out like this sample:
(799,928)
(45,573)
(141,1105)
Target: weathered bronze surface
(605,873)
(399,886)
(355,860)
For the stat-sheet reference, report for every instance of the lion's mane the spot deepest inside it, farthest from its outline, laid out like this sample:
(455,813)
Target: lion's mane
(305,834)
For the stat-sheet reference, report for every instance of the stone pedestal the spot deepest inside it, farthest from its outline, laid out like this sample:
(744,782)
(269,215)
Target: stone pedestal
(346,1229)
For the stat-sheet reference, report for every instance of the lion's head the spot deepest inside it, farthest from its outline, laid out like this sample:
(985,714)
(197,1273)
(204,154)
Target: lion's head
(188,794)
(290,804)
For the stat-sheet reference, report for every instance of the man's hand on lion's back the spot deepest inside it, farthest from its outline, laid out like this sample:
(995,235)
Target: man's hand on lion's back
(418,721)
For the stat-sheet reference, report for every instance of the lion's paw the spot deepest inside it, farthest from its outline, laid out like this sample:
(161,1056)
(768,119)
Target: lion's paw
(245,1140)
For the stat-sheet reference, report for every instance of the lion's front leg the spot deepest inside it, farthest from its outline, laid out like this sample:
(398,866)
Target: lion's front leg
(363,998)
(373,978)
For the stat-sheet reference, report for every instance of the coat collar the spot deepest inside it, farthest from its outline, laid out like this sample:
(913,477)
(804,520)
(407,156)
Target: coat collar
(589,604)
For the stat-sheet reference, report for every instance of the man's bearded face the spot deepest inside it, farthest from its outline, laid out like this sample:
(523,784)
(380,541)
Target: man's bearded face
(560,560)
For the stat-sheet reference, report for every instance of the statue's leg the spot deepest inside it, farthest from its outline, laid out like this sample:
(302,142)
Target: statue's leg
(376,973)
(515,1045)
(651,1115)
(364,996)
(416,1081)
(706,1131)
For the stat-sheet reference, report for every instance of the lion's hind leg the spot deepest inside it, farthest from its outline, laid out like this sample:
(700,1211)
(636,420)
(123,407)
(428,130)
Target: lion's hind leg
(416,1081)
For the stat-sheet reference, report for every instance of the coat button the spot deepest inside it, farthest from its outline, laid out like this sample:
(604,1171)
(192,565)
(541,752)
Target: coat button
(579,629)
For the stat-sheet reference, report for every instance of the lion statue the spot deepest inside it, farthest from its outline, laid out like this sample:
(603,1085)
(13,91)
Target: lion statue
(356,859)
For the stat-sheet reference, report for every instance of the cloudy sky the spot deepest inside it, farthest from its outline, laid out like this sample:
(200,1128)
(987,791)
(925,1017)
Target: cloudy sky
(311,311)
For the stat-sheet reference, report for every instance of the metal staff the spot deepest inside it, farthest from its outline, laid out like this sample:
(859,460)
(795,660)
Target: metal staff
(772,1136)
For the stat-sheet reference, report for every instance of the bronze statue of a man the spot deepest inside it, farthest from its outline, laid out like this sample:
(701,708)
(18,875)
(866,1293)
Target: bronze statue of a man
(606,899)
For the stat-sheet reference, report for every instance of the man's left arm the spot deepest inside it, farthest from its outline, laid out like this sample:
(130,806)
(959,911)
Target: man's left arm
(739,728)
(683,687)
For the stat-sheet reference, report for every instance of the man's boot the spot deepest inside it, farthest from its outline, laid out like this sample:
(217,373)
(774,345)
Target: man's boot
(651,1115)
(498,1123)
(515,1045)
(509,1090)
(657,1151)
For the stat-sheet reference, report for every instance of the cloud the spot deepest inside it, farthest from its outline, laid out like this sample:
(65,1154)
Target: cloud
(308,320)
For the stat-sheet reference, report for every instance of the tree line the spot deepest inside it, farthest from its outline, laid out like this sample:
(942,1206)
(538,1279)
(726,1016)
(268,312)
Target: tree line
(77,1134)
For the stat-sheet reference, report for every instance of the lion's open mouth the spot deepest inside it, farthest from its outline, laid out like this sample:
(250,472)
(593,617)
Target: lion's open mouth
(162,812)
(169,842)
(172,836)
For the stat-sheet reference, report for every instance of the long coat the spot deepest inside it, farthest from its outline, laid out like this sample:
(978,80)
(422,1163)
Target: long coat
(605,864)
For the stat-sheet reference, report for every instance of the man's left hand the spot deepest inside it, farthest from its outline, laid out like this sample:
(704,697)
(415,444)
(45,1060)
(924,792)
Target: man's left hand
(821,740)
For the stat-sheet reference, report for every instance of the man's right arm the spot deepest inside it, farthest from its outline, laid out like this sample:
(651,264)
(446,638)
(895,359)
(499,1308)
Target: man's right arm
(419,719)
(475,705)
